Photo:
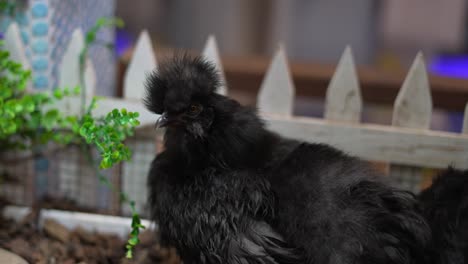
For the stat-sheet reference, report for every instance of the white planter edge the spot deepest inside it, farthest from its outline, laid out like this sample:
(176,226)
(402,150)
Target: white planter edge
(105,224)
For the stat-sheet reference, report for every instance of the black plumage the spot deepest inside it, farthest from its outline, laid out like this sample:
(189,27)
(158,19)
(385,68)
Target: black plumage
(227,190)
(445,205)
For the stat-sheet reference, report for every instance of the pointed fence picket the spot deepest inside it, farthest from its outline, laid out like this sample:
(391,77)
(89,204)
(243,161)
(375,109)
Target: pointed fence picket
(14,45)
(408,144)
(343,100)
(276,94)
(211,53)
(413,105)
(70,75)
(405,145)
(142,63)
(413,109)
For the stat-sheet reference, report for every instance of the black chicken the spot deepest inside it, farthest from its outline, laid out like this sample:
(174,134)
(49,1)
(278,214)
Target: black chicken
(445,205)
(226,190)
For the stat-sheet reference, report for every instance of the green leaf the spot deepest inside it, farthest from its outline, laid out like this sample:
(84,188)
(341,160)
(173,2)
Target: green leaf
(118,22)
(4,54)
(134,122)
(18,107)
(66,91)
(129,253)
(16,68)
(105,163)
(90,37)
(50,119)
(83,131)
(5,93)
(101,21)
(76,90)
(116,155)
(58,93)
(133,241)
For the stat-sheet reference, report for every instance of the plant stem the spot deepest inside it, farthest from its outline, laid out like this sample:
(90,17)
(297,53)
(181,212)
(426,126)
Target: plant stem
(83,56)
(103,179)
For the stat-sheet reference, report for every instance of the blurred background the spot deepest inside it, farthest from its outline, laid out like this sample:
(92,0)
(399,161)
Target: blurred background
(312,30)
(385,36)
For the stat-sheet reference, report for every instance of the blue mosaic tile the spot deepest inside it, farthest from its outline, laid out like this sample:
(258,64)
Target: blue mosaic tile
(40,64)
(40,47)
(21,19)
(4,23)
(40,29)
(46,34)
(41,164)
(39,10)
(41,82)
(25,37)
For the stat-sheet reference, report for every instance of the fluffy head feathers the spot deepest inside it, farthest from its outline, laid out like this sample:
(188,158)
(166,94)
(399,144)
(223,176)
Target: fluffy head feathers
(179,81)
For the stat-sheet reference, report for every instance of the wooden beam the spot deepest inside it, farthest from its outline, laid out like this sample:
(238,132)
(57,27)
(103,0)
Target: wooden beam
(371,142)
(407,146)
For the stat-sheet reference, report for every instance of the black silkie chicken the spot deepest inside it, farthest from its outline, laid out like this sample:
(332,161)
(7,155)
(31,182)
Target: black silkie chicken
(445,206)
(226,190)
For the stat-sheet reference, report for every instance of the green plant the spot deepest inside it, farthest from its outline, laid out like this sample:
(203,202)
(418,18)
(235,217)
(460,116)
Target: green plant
(28,119)
(107,133)
(9,7)
(32,120)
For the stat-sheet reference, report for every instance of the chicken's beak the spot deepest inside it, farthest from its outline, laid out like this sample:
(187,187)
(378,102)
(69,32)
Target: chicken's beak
(162,121)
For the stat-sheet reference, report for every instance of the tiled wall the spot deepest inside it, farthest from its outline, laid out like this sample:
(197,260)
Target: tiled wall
(46,27)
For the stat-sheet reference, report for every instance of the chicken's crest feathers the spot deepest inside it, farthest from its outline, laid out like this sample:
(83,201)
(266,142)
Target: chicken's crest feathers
(179,80)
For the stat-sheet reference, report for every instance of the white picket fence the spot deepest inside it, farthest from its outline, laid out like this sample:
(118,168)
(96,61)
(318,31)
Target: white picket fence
(408,143)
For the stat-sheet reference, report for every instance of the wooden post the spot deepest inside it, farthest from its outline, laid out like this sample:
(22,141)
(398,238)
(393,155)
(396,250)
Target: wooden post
(413,109)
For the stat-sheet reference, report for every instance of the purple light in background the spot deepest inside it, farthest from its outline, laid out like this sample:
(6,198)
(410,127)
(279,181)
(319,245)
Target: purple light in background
(455,66)
(123,41)
(456,122)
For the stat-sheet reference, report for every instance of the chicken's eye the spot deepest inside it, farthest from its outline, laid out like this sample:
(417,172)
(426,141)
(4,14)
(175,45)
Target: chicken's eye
(195,109)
